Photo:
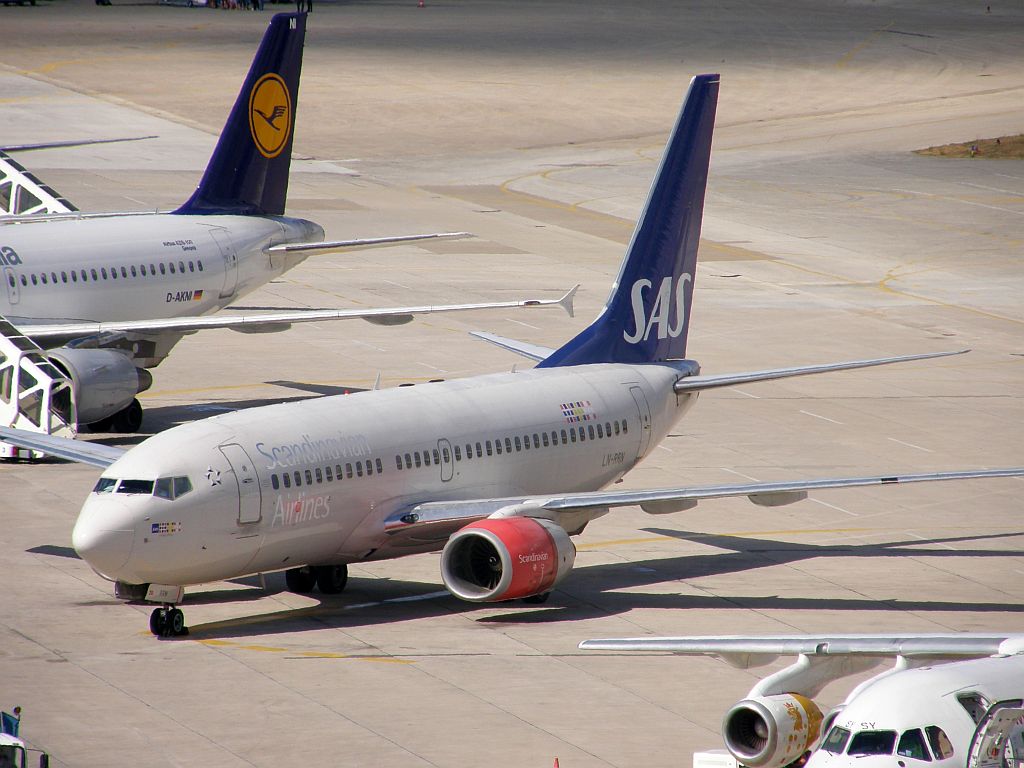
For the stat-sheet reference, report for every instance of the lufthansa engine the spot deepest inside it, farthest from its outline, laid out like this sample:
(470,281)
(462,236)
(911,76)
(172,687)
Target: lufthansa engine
(105,381)
(506,558)
(771,731)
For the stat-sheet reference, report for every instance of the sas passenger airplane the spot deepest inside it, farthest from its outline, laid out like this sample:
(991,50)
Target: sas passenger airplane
(497,471)
(949,701)
(108,295)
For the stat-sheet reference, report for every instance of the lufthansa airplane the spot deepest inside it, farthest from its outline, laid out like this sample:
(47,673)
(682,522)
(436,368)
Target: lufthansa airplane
(498,471)
(103,297)
(951,700)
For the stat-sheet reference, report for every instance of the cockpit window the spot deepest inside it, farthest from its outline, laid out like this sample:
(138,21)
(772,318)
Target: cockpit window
(182,485)
(939,741)
(105,485)
(164,488)
(136,486)
(172,487)
(836,740)
(872,743)
(912,745)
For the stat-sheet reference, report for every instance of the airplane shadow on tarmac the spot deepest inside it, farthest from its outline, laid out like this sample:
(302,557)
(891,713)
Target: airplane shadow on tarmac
(592,591)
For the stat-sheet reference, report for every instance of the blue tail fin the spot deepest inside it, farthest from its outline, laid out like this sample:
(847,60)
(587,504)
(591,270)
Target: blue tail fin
(647,315)
(248,172)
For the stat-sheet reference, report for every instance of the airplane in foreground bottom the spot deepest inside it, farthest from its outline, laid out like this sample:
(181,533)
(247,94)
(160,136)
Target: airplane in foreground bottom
(497,471)
(952,699)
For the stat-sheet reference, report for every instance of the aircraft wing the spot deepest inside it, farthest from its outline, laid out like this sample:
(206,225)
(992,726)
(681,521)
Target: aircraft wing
(81,451)
(275,321)
(329,246)
(573,510)
(757,650)
(697,383)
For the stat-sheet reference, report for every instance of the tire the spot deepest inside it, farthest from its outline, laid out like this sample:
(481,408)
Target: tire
(157,621)
(537,599)
(176,622)
(300,580)
(331,579)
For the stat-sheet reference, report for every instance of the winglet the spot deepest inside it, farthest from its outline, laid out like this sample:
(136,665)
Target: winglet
(248,171)
(566,301)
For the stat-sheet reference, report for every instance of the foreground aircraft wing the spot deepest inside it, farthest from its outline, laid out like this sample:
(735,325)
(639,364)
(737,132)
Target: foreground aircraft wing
(697,383)
(96,454)
(574,510)
(276,321)
(757,650)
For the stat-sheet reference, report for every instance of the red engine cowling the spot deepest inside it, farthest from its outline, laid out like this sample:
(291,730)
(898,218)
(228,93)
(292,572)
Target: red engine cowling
(506,558)
(771,731)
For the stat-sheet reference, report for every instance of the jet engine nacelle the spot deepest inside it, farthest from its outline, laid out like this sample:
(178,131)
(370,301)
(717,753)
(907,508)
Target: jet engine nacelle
(104,381)
(506,558)
(771,731)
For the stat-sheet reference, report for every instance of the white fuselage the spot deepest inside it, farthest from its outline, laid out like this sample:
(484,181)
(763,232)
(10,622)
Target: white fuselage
(352,461)
(926,700)
(139,267)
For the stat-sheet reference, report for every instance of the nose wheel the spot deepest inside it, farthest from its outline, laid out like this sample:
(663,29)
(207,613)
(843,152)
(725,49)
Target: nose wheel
(167,622)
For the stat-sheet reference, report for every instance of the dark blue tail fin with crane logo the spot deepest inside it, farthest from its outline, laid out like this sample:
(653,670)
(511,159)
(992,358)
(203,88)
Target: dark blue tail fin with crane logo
(647,315)
(248,172)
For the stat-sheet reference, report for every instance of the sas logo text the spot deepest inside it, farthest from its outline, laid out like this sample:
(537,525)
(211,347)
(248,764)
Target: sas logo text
(177,296)
(8,257)
(669,323)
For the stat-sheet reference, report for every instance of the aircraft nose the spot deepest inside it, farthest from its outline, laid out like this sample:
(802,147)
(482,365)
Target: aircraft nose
(102,547)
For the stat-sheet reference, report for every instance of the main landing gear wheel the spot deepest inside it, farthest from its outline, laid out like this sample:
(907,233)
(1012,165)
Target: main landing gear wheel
(167,622)
(300,580)
(331,579)
(537,599)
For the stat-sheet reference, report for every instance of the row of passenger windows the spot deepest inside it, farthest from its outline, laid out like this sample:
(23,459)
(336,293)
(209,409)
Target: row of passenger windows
(300,477)
(125,273)
(515,443)
(320,475)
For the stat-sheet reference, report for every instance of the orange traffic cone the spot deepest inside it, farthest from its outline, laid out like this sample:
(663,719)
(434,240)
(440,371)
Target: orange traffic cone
(556,763)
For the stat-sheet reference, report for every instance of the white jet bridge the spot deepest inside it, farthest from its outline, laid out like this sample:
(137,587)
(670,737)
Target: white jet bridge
(34,395)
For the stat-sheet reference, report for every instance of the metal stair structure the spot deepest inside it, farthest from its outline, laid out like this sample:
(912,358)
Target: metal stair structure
(34,395)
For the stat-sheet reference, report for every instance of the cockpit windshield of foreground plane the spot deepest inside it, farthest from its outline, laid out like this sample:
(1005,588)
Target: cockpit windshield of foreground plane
(496,471)
(950,700)
(94,300)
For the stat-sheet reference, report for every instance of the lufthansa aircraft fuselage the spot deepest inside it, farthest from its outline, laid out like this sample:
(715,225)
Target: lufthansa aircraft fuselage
(150,266)
(314,482)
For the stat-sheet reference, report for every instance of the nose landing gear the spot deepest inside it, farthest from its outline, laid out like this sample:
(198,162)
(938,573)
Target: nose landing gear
(167,622)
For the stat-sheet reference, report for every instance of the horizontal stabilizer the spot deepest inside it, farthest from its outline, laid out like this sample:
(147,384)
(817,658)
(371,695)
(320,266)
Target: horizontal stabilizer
(698,383)
(524,348)
(83,452)
(328,246)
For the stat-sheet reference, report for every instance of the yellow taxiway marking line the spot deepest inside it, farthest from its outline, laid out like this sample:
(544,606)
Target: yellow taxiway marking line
(847,57)
(307,654)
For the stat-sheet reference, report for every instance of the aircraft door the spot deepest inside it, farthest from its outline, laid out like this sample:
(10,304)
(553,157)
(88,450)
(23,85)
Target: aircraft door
(12,285)
(227,252)
(644,412)
(998,732)
(249,494)
(447,460)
